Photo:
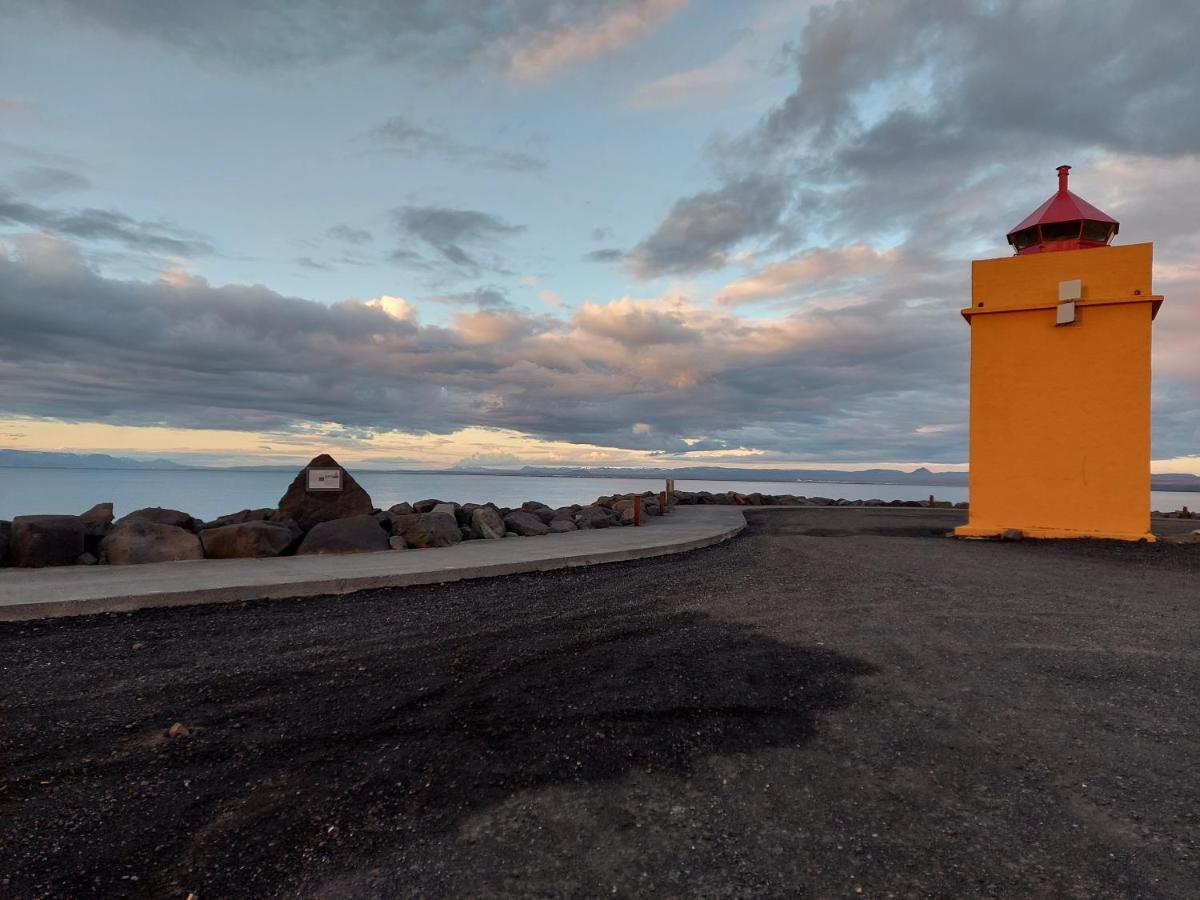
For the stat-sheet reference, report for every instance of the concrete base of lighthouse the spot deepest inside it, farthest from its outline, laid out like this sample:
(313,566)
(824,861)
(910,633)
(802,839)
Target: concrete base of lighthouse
(992,531)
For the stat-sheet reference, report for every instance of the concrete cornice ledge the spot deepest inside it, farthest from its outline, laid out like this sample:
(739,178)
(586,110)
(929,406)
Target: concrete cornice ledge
(27,594)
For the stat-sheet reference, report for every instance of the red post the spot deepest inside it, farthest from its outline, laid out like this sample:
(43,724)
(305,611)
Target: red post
(662,503)
(637,510)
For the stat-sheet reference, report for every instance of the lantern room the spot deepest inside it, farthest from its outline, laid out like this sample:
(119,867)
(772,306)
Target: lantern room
(1064,222)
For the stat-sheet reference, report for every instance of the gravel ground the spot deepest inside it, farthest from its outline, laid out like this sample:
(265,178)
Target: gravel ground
(837,703)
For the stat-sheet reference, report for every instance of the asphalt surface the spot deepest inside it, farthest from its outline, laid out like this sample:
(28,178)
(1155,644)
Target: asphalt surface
(836,703)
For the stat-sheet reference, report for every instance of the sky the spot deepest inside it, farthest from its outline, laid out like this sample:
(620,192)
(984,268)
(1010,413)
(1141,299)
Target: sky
(428,233)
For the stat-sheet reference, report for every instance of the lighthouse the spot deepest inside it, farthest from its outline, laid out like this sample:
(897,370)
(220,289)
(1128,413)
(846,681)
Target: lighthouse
(1060,379)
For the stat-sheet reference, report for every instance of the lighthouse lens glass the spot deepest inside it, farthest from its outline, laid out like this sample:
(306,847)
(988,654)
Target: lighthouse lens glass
(1026,238)
(1061,231)
(1097,231)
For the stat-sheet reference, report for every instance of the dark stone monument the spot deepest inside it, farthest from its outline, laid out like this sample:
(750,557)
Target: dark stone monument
(322,492)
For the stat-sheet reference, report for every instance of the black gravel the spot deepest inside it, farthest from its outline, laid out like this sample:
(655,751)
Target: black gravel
(837,703)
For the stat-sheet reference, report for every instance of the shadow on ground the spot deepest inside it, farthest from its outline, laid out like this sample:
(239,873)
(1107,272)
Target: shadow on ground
(338,749)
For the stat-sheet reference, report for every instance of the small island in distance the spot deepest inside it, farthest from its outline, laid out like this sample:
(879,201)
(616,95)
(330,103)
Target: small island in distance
(918,476)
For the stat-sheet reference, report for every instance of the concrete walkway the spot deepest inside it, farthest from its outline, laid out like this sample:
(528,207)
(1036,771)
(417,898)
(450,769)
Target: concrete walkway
(80,590)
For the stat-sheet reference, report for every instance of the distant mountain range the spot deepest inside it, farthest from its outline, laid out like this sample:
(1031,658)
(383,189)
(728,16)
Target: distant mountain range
(36,459)
(919,476)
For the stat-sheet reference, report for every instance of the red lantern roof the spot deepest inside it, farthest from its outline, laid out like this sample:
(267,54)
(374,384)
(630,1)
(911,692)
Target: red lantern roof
(1064,222)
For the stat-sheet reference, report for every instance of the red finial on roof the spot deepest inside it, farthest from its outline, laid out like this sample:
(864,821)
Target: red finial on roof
(1064,222)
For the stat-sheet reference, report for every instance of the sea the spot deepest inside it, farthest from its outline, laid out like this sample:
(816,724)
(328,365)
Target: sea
(208,493)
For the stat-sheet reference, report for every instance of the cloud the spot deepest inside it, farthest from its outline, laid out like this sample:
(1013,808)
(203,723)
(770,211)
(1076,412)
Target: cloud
(348,235)
(400,135)
(457,236)
(604,255)
(634,324)
(700,231)
(395,307)
(576,42)
(103,225)
(826,266)
(526,40)
(49,180)
(871,379)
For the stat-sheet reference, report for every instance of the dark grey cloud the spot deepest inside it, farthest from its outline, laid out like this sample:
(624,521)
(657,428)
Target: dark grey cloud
(883,379)
(604,255)
(945,116)
(460,238)
(254,34)
(103,225)
(700,231)
(349,235)
(400,135)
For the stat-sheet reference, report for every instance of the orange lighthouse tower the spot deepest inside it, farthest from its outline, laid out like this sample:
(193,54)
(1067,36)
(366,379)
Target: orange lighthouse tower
(1060,379)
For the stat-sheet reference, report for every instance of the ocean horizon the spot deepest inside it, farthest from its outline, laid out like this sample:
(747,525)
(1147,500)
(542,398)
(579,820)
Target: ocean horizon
(209,493)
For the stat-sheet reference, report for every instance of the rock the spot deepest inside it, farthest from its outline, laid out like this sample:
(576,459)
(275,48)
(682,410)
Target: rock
(265,514)
(429,529)
(509,534)
(424,506)
(39,541)
(311,508)
(545,513)
(135,541)
(402,509)
(467,534)
(562,526)
(450,509)
(1012,534)
(595,517)
(246,540)
(531,505)
(525,523)
(464,513)
(86,559)
(395,542)
(487,523)
(162,516)
(352,534)
(96,523)
(178,730)
(5,540)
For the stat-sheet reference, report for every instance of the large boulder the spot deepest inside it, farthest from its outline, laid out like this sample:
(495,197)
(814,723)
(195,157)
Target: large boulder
(162,516)
(96,523)
(486,522)
(424,506)
(5,540)
(311,508)
(39,541)
(246,540)
(562,526)
(595,517)
(402,509)
(263,514)
(354,534)
(137,541)
(450,509)
(525,523)
(429,529)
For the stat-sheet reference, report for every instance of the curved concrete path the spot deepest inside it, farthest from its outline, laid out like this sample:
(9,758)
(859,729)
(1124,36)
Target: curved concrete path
(80,590)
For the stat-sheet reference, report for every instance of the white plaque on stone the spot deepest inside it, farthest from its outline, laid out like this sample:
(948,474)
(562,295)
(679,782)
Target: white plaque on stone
(324,479)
